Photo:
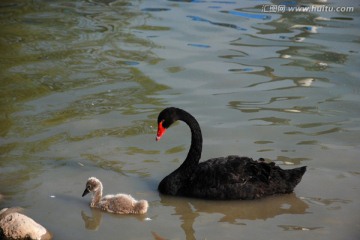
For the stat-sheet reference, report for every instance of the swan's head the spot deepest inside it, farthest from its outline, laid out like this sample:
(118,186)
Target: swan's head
(92,185)
(166,117)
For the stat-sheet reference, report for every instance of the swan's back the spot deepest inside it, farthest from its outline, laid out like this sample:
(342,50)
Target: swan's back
(235,177)
(123,204)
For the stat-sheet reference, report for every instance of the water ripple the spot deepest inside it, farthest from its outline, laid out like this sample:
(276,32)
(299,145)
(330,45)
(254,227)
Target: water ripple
(249,15)
(227,25)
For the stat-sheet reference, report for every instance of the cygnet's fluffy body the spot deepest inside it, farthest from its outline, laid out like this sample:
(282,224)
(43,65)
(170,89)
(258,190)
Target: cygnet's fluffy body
(119,203)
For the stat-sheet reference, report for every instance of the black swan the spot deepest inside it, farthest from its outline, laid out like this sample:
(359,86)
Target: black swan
(231,177)
(119,203)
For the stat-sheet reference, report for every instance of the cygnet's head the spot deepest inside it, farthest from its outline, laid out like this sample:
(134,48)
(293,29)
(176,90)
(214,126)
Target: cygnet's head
(92,185)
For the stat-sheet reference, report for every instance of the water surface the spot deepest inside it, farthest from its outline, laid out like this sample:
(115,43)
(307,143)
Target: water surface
(82,83)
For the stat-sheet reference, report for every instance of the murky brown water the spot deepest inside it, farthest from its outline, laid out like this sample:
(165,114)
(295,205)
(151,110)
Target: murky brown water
(82,83)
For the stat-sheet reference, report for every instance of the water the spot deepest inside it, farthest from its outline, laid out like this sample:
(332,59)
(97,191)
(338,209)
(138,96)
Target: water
(82,83)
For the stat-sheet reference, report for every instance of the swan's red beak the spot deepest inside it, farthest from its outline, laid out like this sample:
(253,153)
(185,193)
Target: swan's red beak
(161,130)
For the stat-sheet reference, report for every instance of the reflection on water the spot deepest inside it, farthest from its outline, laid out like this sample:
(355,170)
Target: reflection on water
(327,202)
(68,66)
(93,222)
(82,83)
(229,25)
(233,212)
(298,228)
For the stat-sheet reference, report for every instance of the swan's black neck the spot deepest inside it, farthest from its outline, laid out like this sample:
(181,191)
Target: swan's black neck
(194,154)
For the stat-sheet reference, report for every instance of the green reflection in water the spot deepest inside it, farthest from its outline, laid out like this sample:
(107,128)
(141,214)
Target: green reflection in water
(66,63)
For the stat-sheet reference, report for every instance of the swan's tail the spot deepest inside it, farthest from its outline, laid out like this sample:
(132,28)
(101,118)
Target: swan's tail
(141,207)
(296,175)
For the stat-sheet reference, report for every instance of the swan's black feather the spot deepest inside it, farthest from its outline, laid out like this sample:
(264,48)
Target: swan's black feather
(231,177)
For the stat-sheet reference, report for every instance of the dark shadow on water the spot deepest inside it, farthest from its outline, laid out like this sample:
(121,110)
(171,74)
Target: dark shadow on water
(233,211)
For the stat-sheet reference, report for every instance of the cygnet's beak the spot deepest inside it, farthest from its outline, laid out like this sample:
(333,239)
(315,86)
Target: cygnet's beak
(86,191)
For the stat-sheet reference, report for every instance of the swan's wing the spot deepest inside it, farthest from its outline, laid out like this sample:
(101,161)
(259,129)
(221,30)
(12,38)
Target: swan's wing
(231,170)
(229,178)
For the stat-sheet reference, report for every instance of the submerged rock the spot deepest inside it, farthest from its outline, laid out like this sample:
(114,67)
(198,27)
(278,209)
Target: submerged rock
(17,226)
